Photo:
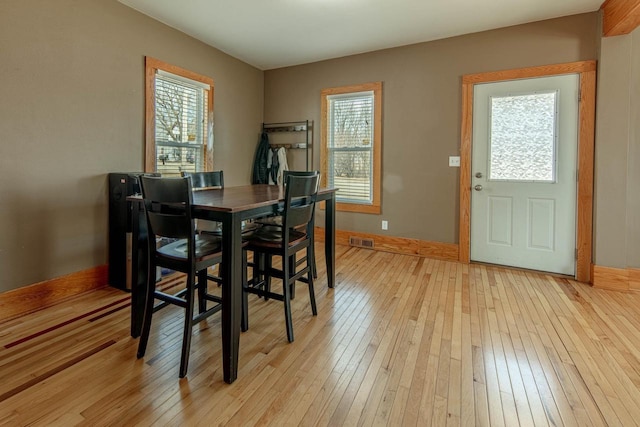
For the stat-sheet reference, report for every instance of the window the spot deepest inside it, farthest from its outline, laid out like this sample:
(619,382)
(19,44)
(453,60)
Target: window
(179,120)
(351,149)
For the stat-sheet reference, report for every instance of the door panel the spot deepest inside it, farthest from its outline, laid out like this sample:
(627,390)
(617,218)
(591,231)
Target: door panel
(541,230)
(500,216)
(524,173)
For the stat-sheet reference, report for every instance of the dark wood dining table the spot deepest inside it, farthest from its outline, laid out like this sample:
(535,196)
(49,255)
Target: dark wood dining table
(230,206)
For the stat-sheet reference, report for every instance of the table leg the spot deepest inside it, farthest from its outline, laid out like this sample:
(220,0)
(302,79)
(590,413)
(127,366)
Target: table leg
(330,238)
(231,295)
(139,266)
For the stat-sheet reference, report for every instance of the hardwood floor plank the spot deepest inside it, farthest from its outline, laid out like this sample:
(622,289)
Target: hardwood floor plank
(485,304)
(370,389)
(293,408)
(510,340)
(340,377)
(399,357)
(415,379)
(432,356)
(527,325)
(405,404)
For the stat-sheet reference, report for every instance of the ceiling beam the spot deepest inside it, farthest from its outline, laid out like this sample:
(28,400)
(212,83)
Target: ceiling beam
(620,17)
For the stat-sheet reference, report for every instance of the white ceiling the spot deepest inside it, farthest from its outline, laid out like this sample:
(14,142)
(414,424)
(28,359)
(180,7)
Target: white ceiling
(277,33)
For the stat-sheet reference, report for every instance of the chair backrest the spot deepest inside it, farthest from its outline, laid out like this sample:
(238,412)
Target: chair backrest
(297,173)
(300,200)
(213,179)
(167,203)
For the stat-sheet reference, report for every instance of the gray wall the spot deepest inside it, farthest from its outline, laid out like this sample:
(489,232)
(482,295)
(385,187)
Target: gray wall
(421,111)
(617,201)
(72,110)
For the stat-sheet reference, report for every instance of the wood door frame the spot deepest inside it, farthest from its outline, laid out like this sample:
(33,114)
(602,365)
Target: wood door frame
(586,71)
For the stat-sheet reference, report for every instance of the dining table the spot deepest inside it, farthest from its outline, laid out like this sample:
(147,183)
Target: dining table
(231,206)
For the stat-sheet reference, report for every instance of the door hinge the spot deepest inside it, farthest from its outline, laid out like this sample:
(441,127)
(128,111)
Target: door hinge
(579,95)
(576,253)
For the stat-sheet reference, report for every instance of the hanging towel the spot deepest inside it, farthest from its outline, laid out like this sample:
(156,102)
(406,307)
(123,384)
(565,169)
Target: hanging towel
(260,168)
(272,166)
(281,154)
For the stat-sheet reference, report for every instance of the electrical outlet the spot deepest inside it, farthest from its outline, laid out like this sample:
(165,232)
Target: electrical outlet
(454,161)
(385,225)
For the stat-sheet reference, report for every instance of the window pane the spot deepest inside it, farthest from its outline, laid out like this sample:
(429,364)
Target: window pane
(350,146)
(522,137)
(352,120)
(180,126)
(351,175)
(173,158)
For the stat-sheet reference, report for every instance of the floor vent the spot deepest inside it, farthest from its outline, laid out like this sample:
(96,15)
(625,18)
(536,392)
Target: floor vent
(361,242)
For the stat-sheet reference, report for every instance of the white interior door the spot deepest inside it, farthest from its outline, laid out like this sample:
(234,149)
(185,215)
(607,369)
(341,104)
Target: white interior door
(523,198)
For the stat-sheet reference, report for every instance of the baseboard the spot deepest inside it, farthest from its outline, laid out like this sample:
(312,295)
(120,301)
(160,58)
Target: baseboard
(34,297)
(617,279)
(634,279)
(398,245)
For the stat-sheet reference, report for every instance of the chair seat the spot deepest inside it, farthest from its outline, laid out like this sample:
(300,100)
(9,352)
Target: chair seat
(276,221)
(206,245)
(271,236)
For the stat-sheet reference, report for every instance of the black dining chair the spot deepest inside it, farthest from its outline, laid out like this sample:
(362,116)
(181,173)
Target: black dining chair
(201,181)
(167,203)
(277,219)
(294,235)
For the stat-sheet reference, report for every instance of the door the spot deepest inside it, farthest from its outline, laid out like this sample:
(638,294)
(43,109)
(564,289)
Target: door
(523,198)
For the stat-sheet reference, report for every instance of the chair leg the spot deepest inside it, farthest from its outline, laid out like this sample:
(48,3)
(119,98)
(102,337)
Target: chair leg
(219,273)
(188,324)
(286,288)
(312,254)
(267,276)
(148,310)
(312,245)
(202,290)
(244,326)
(256,267)
(312,293)
(292,272)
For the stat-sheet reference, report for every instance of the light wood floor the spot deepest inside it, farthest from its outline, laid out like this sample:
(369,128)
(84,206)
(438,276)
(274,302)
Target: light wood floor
(401,340)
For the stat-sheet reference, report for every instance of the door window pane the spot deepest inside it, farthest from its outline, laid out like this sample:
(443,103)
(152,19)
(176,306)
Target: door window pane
(522,137)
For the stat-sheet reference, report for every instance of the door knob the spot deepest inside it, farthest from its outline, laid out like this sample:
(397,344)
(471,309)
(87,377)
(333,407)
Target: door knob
(478,187)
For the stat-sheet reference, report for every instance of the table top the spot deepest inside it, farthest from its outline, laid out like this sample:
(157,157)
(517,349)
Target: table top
(232,199)
(235,199)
